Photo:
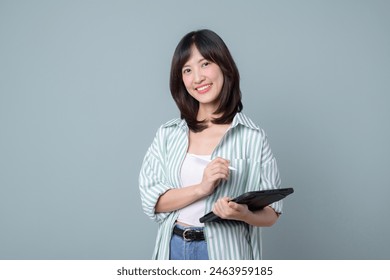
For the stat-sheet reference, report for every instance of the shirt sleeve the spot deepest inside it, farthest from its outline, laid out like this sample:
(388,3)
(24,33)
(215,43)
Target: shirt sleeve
(152,179)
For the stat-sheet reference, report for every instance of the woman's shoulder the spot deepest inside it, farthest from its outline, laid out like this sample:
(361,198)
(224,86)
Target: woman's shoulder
(168,132)
(172,123)
(171,126)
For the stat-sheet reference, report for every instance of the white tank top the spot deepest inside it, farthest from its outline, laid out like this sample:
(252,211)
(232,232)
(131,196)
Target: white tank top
(191,174)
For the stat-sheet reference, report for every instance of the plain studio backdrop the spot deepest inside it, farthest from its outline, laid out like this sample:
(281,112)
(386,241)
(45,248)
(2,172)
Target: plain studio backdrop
(84,87)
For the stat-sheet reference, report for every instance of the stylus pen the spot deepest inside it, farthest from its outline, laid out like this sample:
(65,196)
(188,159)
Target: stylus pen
(208,160)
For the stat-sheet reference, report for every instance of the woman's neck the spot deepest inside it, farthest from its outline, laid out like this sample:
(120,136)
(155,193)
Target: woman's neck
(207,113)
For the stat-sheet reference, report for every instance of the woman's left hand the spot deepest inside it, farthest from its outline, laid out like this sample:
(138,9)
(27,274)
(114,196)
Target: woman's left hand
(227,209)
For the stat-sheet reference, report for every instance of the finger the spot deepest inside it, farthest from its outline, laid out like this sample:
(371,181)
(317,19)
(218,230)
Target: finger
(219,175)
(220,160)
(223,205)
(219,167)
(238,207)
(218,170)
(234,205)
(220,204)
(217,209)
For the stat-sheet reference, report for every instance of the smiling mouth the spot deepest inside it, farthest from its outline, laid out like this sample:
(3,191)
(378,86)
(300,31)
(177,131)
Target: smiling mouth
(204,88)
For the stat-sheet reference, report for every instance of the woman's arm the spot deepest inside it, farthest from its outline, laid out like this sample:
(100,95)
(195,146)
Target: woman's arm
(175,199)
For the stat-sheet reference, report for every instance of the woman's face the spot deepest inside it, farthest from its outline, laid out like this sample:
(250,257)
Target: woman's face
(203,79)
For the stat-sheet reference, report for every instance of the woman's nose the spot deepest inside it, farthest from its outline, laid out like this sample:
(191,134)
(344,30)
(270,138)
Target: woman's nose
(198,76)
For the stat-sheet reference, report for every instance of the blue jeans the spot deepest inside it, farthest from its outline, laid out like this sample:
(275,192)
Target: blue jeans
(187,250)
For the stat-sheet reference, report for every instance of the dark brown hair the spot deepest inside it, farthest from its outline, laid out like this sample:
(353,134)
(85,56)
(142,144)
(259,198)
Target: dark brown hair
(212,48)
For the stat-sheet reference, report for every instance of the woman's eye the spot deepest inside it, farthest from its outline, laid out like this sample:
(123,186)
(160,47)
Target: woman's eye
(205,64)
(186,71)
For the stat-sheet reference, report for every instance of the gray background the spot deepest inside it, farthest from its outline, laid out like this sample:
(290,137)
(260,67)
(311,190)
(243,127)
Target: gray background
(84,87)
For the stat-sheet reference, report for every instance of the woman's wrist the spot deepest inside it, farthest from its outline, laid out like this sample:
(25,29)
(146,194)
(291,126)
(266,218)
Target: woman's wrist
(201,191)
(262,218)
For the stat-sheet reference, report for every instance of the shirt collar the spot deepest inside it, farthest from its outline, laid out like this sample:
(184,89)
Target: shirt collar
(178,122)
(241,119)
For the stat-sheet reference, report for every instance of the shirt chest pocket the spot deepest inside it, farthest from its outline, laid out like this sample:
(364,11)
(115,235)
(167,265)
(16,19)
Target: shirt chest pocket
(246,177)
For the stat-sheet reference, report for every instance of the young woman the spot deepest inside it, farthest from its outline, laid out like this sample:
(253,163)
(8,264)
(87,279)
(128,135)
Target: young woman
(214,152)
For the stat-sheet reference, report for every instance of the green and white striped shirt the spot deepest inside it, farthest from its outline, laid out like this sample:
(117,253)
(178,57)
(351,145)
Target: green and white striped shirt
(246,146)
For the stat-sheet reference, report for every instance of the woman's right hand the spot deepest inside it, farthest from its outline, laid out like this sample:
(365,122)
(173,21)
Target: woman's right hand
(216,171)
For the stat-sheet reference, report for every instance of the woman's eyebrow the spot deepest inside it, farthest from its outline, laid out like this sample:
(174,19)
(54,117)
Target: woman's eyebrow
(199,61)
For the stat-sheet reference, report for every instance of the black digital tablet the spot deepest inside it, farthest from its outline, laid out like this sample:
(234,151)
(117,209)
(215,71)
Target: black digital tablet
(255,200)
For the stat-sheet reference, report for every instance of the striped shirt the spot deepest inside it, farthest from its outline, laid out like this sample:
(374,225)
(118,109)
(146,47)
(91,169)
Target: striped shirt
(246,146)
